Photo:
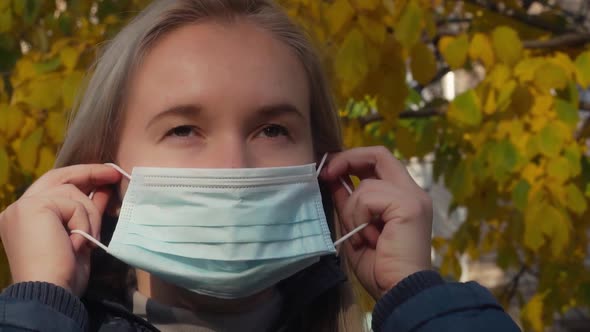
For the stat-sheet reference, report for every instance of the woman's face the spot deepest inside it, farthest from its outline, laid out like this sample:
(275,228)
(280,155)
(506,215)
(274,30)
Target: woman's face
(214,95)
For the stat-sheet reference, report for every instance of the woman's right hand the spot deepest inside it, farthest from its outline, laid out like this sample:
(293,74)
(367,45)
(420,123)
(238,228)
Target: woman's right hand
(35,229)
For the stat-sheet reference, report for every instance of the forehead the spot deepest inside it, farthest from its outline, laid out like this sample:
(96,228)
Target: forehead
(213,62)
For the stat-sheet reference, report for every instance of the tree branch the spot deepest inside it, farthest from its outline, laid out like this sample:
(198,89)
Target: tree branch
(566,40)
(426,112)
(440,74)
(513,285)
(520,16)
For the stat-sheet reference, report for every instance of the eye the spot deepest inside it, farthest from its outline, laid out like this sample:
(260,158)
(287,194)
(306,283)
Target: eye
(274,130)
(182,131)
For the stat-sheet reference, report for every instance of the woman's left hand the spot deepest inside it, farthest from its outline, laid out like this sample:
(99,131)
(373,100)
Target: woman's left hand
(396,243)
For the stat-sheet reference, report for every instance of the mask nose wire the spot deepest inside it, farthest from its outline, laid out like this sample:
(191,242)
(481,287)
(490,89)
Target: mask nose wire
(88,236)
(347,187)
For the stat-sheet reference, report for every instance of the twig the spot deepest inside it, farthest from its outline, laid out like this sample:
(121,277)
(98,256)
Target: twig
(513,286)
(426,112)
(520,16)
(569,39)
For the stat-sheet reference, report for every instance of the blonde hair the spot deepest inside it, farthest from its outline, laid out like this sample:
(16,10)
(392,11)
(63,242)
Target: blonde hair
(94,131)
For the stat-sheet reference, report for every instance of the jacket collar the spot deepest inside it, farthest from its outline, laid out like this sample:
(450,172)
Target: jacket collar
(299,292)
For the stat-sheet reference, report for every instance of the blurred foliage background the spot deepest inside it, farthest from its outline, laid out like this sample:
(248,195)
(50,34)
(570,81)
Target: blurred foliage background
(510,145)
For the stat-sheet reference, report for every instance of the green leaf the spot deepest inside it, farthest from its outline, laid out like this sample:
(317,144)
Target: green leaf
(465,109)
(47,66)
(575,199)
(573,156)
(461,181)
(566,112)
(533,233)
(351,63)
(520,194)
(507,45)
(455,51)
(31,10)
(550,140)
(583,69)
(503,158)
(558,168)
(409,29)
(550,76)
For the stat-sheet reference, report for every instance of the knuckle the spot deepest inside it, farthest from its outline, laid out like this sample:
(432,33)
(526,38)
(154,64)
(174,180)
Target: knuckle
(380,149)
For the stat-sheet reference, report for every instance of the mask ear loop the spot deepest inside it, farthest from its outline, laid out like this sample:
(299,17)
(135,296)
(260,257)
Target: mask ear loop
(88,236)
(349,190)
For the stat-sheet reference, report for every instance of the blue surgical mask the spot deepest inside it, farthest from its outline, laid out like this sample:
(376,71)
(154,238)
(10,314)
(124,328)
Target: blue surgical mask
(226,233)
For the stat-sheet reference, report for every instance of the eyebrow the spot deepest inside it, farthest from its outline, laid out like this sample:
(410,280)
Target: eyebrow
(268,111)
(276,110)
(179,110)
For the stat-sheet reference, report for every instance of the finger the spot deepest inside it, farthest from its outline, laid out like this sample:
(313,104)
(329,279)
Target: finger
(366,206)
(101,200)
(73,215)
(85,177)
(72,192)
(364,163)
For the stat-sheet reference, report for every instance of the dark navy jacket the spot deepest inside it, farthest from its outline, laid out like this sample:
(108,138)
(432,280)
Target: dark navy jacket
(422,302)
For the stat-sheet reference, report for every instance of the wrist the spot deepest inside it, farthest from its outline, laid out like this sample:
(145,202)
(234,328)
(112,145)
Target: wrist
(56,297)
(401,292)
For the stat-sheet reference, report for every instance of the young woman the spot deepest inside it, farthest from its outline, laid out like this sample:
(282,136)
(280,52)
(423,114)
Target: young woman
(220,112)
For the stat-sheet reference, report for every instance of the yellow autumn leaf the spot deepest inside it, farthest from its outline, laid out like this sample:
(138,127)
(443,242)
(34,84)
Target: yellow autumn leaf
(533,235)
(41,93)
(46,160)
(481,49)
(351,63)
(532,172)
(455,50)
(6,21)
(505,95)
(532,312)
(423,64)
(56,126)
(564,62)
(550,76)
(374,30)
(338,14)
(558,168)
(4,167)
(507,45)
(560,233)
(583,69)
(71,85)
(526,68)
(13,119)
(575,199)
(28,151)
(23,71)
(409,27)
(69,57)
(366,4)
(5,5)
(499,75)
(490,102)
